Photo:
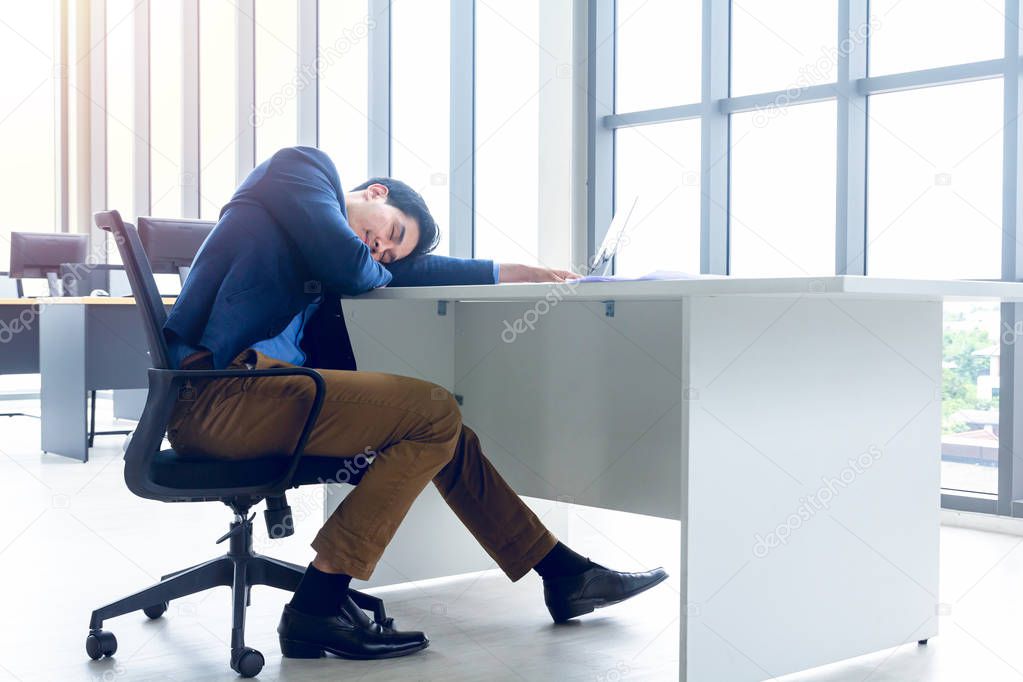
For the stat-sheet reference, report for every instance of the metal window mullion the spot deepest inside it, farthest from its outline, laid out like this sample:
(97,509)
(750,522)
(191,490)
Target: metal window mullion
(600,91)
(651,116)
(714,157)
(779,98)
(190,176)
(97,118)
(851,190)
(80,74)
(462,174)
(379,119)
(308,82)
(924,78)
(62,119)
(1010,432)
(245,29)
(141,194)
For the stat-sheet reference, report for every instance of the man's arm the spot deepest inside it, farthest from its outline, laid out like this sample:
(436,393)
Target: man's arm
(432,270)
(300,189)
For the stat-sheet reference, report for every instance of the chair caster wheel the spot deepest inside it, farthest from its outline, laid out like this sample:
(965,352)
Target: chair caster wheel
(100,643)
(246,662)
(156,610)
(922,642)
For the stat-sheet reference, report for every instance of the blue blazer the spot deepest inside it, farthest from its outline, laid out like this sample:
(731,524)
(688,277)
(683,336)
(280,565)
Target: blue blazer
(282,241)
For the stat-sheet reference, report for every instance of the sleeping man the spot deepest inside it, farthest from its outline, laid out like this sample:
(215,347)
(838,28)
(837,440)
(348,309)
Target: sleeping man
(264,291)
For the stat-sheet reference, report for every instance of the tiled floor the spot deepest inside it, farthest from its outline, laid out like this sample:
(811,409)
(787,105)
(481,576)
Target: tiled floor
(73,537)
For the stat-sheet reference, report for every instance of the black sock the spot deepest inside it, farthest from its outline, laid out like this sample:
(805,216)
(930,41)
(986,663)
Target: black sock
(562,561)
(319,593)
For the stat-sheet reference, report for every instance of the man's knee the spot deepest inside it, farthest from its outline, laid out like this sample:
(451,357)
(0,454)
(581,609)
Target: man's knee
(443,416)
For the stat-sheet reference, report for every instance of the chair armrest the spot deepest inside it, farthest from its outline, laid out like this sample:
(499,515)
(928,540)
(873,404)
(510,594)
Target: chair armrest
(179,375)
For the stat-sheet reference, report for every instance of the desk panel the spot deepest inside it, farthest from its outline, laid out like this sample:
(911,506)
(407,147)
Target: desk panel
(19,337)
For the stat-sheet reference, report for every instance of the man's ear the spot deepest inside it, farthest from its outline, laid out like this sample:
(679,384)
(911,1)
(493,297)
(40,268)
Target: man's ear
(376,190)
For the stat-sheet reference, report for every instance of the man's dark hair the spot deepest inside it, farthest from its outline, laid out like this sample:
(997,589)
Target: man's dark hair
(411,203)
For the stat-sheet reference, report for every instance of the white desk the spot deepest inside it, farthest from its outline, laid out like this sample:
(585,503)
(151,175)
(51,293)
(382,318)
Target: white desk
(793,425)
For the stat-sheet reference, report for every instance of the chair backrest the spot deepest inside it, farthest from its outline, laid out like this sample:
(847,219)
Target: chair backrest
(143,284)
(171,243)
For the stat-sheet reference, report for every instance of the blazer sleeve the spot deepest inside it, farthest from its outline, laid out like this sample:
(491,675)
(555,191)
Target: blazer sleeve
(301,190)
(432,270)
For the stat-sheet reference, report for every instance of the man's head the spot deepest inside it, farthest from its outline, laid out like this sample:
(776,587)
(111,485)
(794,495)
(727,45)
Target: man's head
(392,219)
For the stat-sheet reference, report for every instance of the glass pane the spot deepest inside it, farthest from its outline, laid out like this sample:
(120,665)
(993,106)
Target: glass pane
(28,187)
(969,405)
(659,165)
(507,131)
(935,182)
(420,102)
(657,54)
(782,212)
(218,98)
(344,87)
(922,34)
(783,45)
(165,107)
(120,107)
(276,115)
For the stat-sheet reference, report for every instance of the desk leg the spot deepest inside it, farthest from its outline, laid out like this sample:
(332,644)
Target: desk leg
(62,381)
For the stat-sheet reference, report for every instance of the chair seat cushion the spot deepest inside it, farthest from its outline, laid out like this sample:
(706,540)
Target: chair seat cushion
(173,470)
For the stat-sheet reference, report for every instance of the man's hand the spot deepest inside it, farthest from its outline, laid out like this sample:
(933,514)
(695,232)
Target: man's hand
(514,272)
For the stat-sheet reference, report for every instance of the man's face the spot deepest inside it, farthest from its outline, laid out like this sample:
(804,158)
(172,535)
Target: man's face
(389,233)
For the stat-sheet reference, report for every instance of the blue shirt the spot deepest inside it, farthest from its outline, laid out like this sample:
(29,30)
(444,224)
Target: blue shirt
(287,346)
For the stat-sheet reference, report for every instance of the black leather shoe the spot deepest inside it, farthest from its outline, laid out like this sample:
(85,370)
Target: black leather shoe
(596,587)
(351,635)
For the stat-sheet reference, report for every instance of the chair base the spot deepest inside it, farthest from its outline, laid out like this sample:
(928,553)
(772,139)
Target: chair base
(240,568)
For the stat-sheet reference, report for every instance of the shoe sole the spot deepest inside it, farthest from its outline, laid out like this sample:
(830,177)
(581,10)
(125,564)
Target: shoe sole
(564,612)
(291,648)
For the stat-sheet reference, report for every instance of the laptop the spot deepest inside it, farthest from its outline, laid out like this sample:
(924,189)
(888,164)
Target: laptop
(613,239)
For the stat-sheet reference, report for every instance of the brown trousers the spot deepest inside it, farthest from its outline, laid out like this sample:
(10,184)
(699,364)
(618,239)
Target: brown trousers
(414,429)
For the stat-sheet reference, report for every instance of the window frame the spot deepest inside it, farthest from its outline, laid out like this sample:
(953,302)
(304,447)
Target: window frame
(852,90)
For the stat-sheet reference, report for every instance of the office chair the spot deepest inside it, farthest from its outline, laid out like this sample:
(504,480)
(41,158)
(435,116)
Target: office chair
(168,476)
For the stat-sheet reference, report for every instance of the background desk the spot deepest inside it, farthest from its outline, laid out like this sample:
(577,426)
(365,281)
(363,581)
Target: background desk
(19,336)
(792,425)
(85,344)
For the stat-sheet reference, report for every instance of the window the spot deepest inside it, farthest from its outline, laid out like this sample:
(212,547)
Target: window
(782,208)
(657,53)
(935,182)
(218,102)
(27,123)
(421,104)
(165,96)
(969,406)
(923,34)
(120,107)
(659,166)
(507,130)
(344,87)
(783,45)
(276,115)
